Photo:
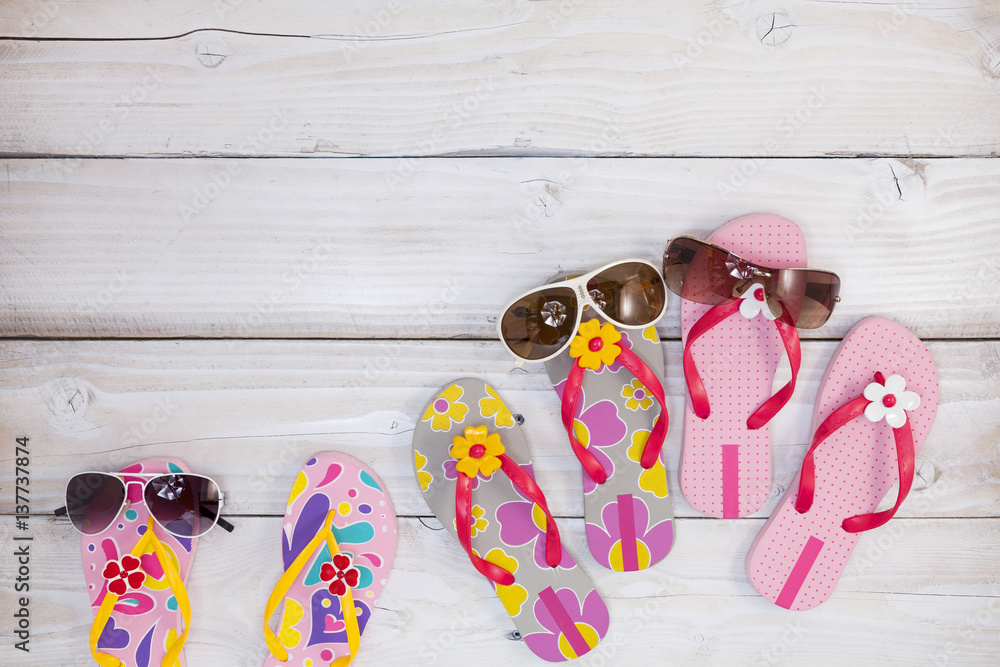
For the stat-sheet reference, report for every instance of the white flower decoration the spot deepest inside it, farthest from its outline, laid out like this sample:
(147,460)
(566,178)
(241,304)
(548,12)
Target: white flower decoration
(754,303)
(889,401)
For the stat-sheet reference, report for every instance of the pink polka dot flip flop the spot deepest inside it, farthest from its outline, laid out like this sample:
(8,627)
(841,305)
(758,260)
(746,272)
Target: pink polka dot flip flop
(731,353)
(874,410)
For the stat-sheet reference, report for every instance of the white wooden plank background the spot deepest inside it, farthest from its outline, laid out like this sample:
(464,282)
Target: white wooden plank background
(359,248)
(332,297)
(692,77)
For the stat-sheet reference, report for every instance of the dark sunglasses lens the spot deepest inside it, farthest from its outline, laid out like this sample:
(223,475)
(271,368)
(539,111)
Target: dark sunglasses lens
(537,325)
(631,293)
(809,296)
(700,272)
(185,505)
(93,501)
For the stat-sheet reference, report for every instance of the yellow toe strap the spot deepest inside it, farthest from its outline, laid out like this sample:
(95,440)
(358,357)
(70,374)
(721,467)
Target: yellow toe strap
(110,600)
(291,575)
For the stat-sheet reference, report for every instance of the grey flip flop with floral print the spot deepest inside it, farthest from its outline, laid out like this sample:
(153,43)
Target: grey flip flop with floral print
(629,513)
(472,462)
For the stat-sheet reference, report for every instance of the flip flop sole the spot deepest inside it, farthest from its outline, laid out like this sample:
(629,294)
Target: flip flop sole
(725,468)
(557,610)
(797,559)
(146,621)
(311,627)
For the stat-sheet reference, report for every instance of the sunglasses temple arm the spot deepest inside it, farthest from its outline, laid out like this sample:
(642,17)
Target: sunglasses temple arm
(61,511)
(225,525)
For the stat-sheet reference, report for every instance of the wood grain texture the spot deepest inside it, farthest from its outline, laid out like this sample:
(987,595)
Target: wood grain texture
(376,247)
(250,413)
(696,607)
(557,77)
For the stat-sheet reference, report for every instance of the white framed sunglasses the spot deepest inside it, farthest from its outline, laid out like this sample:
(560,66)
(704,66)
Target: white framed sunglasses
(539,324)
(183,504)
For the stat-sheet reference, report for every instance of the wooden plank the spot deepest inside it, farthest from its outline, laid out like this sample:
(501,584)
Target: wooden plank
(557,77)
(382,247)
(250,413)
(920,600)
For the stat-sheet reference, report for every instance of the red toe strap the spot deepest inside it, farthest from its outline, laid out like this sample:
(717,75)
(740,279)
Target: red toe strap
(464,520)
(696,388)
(904,458)
(571,396)
(790,339)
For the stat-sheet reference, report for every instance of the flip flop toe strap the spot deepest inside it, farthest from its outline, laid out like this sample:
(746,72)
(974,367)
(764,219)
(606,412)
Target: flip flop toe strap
(571,396)
(846,413)
(464,520)
(110,600)
(291,575)
(696,388)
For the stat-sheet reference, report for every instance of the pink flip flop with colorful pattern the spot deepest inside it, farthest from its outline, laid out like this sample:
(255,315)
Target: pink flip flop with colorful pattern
(143,573)
(735,348)
(874,410)
(337,544)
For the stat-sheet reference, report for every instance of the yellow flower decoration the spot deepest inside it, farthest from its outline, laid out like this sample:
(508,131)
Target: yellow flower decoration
(637,395)
(595,345)
(423,477)
(653,480)
(511,597)
(446,409)
(492,406)
(649,333)
(477,452)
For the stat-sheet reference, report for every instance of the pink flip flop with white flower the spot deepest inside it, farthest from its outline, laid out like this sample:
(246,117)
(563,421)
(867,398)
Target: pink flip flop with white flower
(874,410)
(731,354)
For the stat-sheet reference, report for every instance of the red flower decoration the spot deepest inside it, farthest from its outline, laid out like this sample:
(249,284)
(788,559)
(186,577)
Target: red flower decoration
(123,575)
(341,574)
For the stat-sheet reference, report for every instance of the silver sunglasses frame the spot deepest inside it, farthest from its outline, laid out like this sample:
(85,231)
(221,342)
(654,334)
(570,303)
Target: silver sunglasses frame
(147,476)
